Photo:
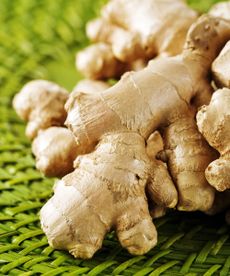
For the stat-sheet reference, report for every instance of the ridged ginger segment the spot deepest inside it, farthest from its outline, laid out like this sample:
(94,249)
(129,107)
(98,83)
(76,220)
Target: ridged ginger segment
(41,103)
(55,149)
(90,86)
(105,191)
(213,121)
(98,62)
(134,31)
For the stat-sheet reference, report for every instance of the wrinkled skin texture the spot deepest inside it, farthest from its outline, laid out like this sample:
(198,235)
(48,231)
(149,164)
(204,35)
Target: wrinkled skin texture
(213,122)
(113,127)
(41,103)
(115,199)
(55,148)
(186,169)
(90,86)
(132,31)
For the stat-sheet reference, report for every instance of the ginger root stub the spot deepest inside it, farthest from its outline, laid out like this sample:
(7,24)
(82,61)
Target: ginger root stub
(213,121)
(41,103)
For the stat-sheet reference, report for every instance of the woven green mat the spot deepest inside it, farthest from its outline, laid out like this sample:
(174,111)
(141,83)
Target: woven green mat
(38,39)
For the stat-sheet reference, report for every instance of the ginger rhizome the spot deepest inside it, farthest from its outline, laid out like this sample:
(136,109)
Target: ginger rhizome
(107,188)
(221,68)
(55,149)
(42,104)
(128,31)
(98,62)
(90,86)
(213,121)
(221,9)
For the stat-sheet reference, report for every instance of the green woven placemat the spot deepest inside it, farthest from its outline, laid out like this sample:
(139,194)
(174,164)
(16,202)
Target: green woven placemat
(38,39)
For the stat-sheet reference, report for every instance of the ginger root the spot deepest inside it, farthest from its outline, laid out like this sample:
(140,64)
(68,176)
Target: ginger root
(113,128)
(90,86)
(41,103)
(55,149)
(152,105)
(133,31)
(98,62)
(221,68)
(113,176)
(221,9)
(213,122)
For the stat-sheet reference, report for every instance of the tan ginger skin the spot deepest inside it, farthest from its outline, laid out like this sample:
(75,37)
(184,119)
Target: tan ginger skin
(221,67)
(104,66)
(127,31)
(55,149)
(213,122)
(42,104)
(117,122)
(221,9)
(33,104)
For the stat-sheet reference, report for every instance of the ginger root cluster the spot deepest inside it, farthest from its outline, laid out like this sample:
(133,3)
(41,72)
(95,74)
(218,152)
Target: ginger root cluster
(157,139)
